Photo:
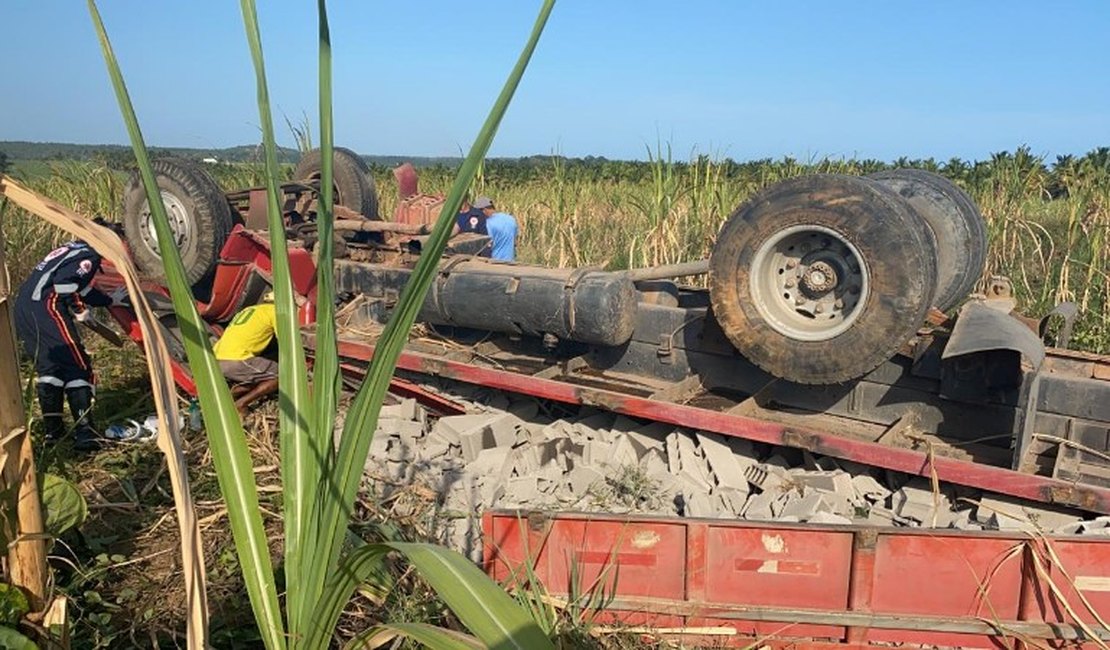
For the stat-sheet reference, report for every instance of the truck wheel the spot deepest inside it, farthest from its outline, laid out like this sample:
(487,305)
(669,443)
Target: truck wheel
(354,186)
(199,217)
(820,279)
(957,229)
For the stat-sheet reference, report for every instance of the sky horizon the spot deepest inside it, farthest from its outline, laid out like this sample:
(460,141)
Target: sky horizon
(741,80)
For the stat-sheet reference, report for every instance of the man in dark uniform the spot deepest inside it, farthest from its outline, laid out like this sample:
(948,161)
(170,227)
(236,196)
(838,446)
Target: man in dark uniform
(57,294)
(469,219)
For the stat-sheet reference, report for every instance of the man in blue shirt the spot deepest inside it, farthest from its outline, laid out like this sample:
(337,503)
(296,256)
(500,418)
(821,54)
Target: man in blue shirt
(502,229)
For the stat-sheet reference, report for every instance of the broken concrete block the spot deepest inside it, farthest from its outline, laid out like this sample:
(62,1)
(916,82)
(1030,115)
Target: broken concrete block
(582,479)
(836,482)
(674,462)
(821,517)
(758,507)
(1012,514)
(622,452)
(726,467)
(916,500)
(406,409)
(868,488)
(522,490)
(805,507)
(765,477)
(654,464)
(642,442)
(452,427)
(433,447)
(503,429)
(731,501)
(698,504)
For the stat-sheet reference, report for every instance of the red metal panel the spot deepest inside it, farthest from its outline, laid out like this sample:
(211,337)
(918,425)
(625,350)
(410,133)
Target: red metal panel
(1079,570)
(945,575)
(791,586)
(650,555)
(986,477)
(778,567)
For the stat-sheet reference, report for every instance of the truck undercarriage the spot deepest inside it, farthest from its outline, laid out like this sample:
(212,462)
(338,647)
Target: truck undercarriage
(822,327)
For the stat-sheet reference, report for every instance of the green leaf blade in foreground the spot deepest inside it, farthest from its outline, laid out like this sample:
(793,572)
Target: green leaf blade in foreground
(300,462)
(430,636)
(325,373)
(481,604)
(226,440)
(358,428)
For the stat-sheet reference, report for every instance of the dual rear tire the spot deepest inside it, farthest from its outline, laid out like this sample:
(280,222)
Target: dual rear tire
(820,279)
(201,218)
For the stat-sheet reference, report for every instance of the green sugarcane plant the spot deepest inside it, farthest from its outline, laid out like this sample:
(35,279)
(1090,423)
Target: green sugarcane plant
(320,482)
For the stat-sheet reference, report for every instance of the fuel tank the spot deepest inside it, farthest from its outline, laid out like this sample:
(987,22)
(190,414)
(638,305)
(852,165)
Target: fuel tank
(585,305)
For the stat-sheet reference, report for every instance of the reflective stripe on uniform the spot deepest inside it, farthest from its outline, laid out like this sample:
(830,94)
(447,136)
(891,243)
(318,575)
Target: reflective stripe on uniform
(48,274)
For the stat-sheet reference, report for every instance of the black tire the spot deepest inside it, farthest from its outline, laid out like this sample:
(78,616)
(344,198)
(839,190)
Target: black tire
(354,186)
(867,300)
(957,228)
(194,202)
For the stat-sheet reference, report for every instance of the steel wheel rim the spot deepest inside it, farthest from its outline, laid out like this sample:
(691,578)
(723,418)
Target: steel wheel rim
(809,283)
(178,217)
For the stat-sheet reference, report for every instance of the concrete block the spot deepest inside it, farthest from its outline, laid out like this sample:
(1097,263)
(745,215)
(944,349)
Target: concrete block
(674,462)
(582,479)
(521,490)
(765,477)
(622,452)
(698,504)
(868,488)
(821,517)
(731,502)
(692,461)
(836,482)
(642,442)
(433,447)
(406,409)
(654,464)
(1074,528)
(727,468)
(758,507)
(915,500)
(1012,514)
(503,429)
(595,452)
(805,507)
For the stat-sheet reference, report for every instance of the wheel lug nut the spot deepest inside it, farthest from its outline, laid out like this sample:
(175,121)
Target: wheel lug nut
(818,309)
(839,304)
(791,264)
(789,284)
(799,301)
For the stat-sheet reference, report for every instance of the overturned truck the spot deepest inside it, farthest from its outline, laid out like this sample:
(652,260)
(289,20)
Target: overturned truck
(839,318)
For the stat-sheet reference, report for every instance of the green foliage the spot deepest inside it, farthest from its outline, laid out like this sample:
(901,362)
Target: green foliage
(13,605)
(13,640)
(64,506)
(5,163)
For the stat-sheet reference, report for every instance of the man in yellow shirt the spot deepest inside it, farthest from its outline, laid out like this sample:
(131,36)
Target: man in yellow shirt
(240,353)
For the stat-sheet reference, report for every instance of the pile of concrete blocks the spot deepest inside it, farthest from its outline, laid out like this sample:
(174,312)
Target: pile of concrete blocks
(512,453)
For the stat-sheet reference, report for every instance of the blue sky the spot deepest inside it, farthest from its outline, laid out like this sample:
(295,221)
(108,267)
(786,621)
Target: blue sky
(732,78)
